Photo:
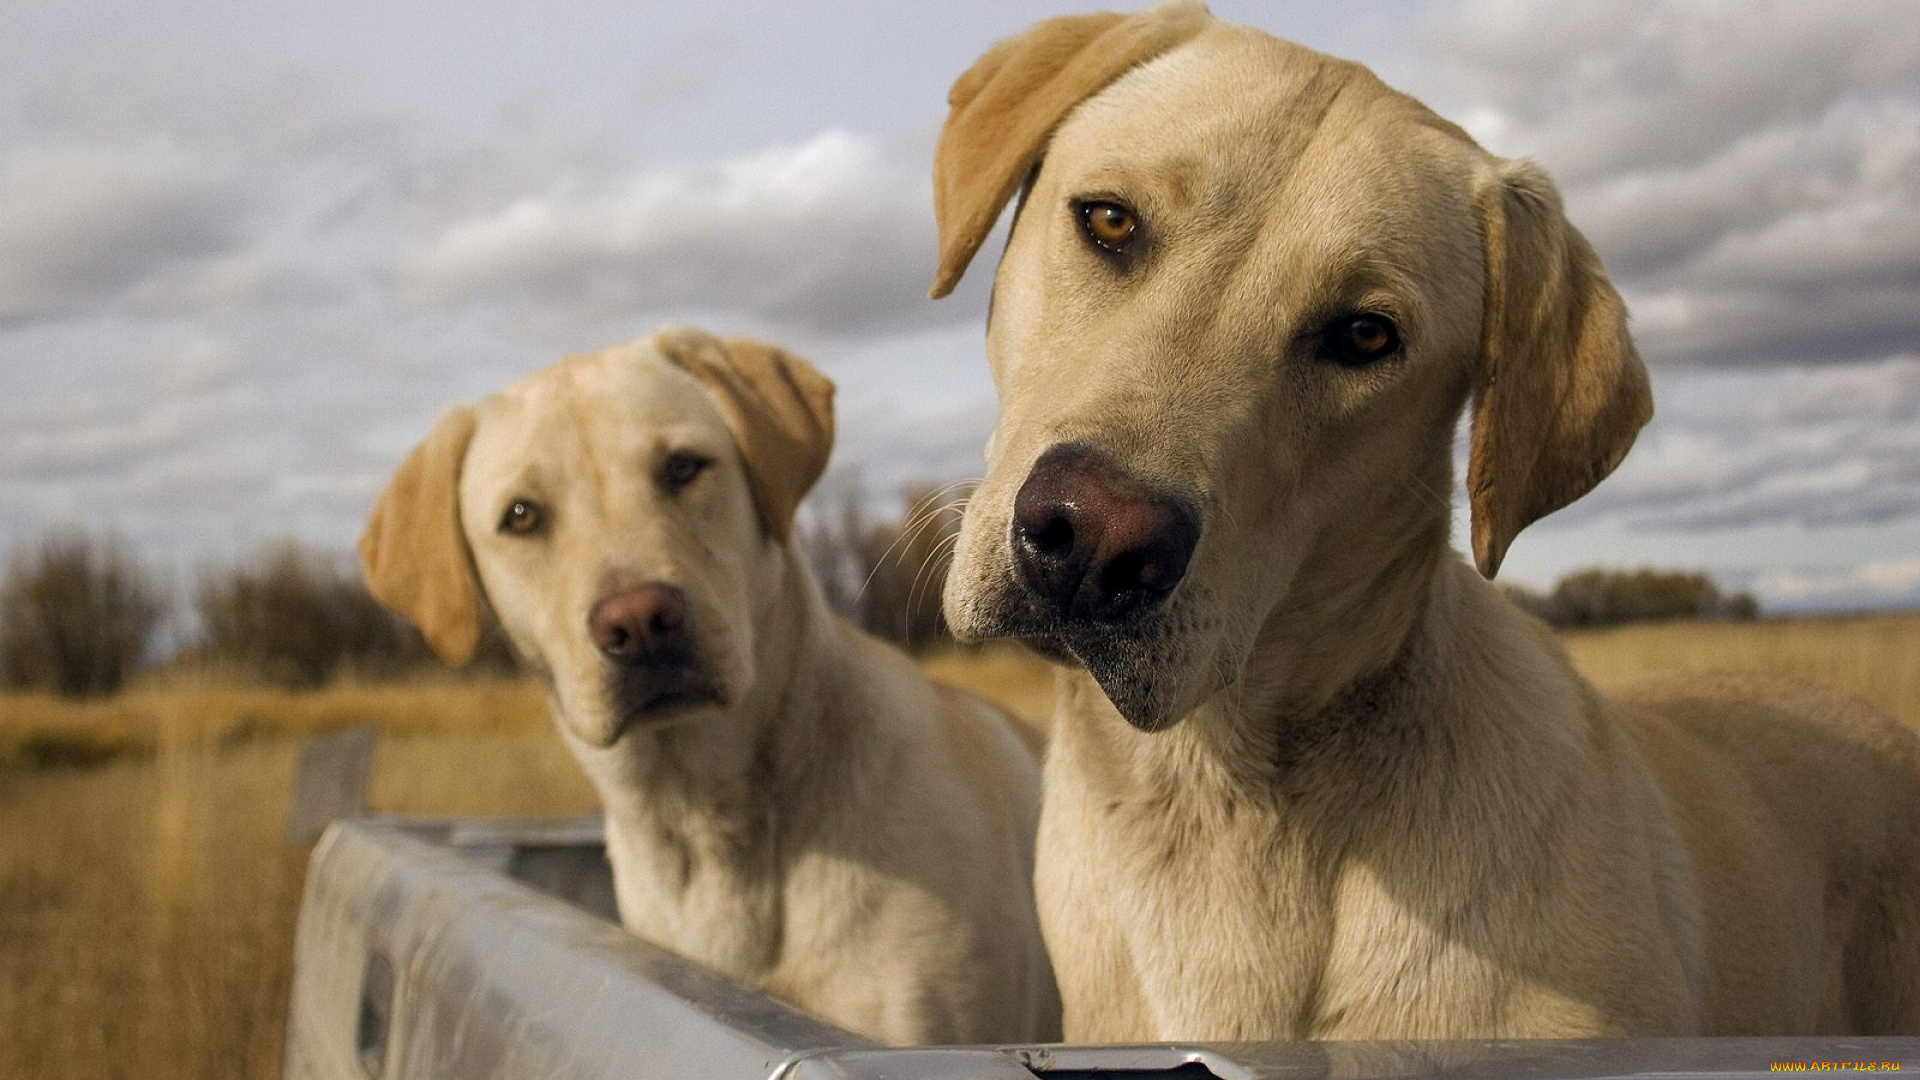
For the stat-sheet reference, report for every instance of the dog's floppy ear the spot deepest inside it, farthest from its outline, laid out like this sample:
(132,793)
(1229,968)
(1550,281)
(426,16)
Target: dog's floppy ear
(413,553)
(1560,392)
(1003,110)
(779,408)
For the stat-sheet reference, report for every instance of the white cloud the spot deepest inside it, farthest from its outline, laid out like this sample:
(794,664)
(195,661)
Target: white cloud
(197,363)
(241,281)
(1601,87)
(81,220)
(1875,583)
(1819,447)
(1856,163)
(102,434)
(1751,173)
(828,237)
(156,189)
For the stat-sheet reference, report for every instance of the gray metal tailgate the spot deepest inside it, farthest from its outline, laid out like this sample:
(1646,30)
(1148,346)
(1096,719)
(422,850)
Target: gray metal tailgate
(487,949)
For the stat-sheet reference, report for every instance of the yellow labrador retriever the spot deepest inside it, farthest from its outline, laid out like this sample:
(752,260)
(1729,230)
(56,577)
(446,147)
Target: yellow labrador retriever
(1312,776)
(788,800)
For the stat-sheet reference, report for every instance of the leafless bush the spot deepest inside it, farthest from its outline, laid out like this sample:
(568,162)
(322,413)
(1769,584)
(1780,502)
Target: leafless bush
(887,576)
(77,615)
(1601,597)
(295,617)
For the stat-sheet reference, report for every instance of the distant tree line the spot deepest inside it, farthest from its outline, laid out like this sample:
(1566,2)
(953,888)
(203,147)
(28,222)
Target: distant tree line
(1601,597)
(80,614)
(295,617)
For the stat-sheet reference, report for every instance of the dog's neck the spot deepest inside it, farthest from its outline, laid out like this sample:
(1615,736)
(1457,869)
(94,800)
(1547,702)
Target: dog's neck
(1350,614)
(699,811)
(1333,650)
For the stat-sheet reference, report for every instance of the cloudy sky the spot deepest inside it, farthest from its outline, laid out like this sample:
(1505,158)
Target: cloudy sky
(249,249)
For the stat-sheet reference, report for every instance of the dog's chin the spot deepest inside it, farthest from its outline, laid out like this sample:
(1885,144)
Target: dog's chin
(1133,676)
(643,698)
(1129,661)
(647,701)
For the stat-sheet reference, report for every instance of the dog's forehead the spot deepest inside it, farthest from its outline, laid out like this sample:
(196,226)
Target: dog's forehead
(1237,118)
(629,395)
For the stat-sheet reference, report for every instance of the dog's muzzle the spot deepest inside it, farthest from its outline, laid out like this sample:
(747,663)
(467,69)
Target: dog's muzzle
(1097,556)
(646,634)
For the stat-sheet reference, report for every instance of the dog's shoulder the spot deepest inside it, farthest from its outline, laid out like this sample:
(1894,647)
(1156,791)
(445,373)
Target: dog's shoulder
(1823,760)
(1729,706)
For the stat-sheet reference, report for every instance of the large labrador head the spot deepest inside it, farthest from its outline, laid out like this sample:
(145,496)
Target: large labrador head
(621,512)
(1247,292)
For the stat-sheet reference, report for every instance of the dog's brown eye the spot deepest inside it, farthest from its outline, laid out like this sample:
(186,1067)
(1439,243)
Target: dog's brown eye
(679,470)
(1362,339)
(523,517)
(1108,224)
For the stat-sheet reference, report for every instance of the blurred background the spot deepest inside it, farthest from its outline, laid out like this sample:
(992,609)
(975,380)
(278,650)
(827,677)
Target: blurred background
(250,250)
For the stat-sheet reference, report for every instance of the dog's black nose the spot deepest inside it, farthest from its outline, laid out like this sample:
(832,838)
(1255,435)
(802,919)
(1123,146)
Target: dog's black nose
(1095,543)
(646,624)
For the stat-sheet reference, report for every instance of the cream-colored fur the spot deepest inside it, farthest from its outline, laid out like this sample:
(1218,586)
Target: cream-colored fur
(1333,785)
(805,812)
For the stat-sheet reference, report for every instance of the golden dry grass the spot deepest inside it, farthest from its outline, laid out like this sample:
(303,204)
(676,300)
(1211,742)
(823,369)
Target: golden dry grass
(147,903)
(43,728)
(145,912)
(1876,657)
(1004,673)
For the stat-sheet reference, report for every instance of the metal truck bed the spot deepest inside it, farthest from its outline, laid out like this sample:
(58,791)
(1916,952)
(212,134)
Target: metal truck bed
(483,949)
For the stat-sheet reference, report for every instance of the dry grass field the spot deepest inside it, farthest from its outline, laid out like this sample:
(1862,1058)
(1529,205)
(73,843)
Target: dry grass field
(1876,657)
(147,902)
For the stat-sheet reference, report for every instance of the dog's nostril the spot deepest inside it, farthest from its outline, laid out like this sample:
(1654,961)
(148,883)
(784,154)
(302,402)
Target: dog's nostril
(1137,577)
(1055,537)
(1129,570)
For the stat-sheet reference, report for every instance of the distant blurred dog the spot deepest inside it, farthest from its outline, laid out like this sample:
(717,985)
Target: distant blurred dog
(788,801)
(1318,778)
